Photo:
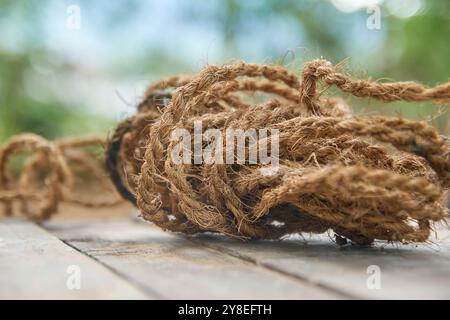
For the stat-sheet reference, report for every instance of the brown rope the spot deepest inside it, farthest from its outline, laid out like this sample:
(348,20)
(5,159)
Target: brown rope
(48,176)
(364,177)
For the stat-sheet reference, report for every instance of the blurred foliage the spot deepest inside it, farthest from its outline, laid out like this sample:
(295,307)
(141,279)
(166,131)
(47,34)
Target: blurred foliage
(51,118)
(415,48)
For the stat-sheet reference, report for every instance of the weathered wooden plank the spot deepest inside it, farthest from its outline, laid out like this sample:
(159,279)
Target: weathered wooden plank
(176,267)
(36,265)
(406,272)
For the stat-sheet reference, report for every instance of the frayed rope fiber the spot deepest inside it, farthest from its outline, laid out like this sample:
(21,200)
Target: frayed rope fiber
(364,177)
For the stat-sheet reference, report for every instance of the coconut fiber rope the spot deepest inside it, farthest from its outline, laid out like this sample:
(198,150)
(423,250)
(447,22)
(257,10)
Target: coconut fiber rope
(364,177)
(47,177)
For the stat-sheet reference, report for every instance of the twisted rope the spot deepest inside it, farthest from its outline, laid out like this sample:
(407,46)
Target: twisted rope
(365,178)
(48,176)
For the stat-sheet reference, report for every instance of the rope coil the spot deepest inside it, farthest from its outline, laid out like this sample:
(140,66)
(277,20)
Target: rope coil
(364,177)
(48,176)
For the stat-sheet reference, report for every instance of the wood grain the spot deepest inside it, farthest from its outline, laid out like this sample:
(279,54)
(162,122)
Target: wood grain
(406,271)
(122,257)
(36,265)
(175,267)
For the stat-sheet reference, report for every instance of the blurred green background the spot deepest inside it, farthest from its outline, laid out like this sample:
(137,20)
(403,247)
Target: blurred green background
(74,68)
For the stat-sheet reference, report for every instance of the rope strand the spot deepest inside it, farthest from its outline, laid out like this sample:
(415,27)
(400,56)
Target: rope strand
(335,171)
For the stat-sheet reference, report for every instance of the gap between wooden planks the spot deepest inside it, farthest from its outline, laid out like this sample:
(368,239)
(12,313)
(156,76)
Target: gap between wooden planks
(176,266)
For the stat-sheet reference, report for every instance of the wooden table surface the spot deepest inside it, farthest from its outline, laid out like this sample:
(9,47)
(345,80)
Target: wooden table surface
(118,256)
